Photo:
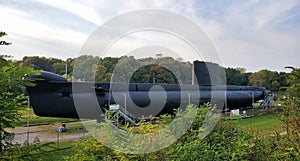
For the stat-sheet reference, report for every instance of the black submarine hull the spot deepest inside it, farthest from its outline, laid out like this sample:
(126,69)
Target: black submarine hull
(55,97)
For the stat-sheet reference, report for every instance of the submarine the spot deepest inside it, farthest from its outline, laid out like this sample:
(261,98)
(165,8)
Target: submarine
(54,96)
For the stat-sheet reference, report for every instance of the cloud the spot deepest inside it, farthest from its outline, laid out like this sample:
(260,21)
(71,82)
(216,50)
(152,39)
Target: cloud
(256,34)
(84,9)
(40,38)
(252,34)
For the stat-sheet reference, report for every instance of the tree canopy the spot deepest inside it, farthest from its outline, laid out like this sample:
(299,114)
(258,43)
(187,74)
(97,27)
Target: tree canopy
(14,78)
(236,76)
(294,81)
(124,69)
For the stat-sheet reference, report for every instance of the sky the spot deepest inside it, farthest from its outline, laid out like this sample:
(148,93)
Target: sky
(252,34)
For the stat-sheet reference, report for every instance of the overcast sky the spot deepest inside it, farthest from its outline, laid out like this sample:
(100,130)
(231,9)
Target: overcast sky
(252,34)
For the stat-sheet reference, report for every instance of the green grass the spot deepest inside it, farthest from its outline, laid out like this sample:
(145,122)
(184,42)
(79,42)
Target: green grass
(47,152)
(36,120)
(262,122)
(51,154)
(73,128)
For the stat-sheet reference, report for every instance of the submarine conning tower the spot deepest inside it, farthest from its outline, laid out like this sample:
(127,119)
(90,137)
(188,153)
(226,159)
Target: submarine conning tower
(206,73)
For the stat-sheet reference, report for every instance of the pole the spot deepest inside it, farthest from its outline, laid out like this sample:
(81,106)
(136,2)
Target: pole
(189,98)
(125,106)
(28,120)
(193,75)
(252,103)
(58,140)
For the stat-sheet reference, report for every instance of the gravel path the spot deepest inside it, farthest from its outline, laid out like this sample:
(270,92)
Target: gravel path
(46,133)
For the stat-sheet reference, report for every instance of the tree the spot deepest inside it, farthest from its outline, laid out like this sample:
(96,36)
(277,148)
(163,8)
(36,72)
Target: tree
(236,76)
(109,63)
(181,70)
(125,68)
(38,63)
(2,57)
(282,79)
(241,70)
(294,81)
(3,42)
(47,64)
(59,68)
(12,83)
(275,85)
(265,78)
(11,96)
(85,67)
(100,75)
(153,73)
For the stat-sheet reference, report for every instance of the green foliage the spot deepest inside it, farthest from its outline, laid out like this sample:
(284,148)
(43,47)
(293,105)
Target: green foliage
(101,75)
(59,68)
(90,149)
(18,152)
(282,79)
(181,70)
(109,63)
(264,123)
(86,66)
(129,69)
(3,42)
(236,76)
(54,65)
(227,141)
(38,63)
(153,74)
(124,69)
(37,120)
(265,78)
(12,84)
(294,81)
(37,151)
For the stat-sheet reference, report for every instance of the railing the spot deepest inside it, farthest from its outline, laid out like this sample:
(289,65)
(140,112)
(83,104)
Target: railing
(122,112)
(267,102)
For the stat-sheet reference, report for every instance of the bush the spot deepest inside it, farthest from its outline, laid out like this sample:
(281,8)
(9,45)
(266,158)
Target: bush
(226,142)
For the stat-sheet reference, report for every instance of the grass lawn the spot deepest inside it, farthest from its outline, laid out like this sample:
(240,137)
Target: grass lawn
(36,120)
(65,150)
(46,152)
(263,122)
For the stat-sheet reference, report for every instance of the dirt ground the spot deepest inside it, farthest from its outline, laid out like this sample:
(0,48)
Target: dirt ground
(46,133)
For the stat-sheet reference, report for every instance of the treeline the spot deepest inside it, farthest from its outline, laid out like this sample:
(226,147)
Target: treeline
(273,80)
(123,69)
(148,70)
